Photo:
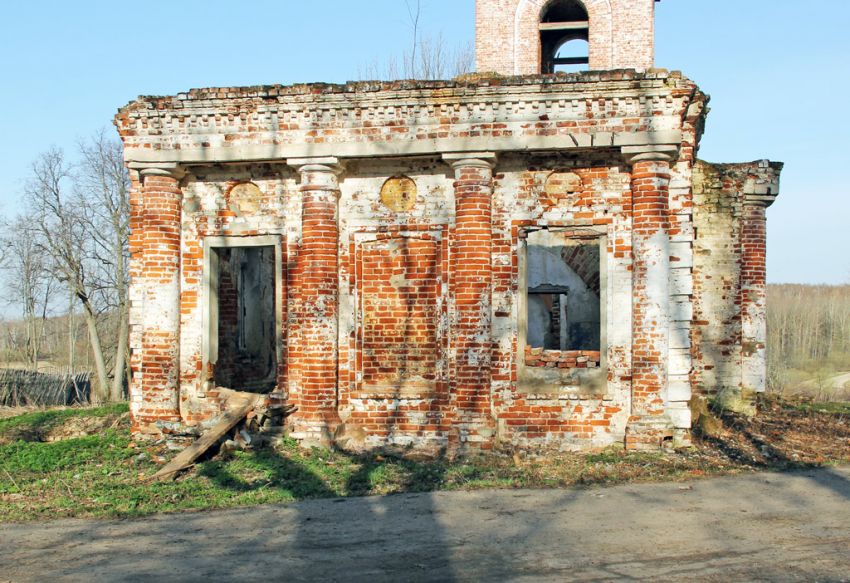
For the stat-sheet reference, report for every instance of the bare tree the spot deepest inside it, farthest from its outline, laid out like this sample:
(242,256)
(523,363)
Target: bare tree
(65,239)
(103,191)
(29,282)
(428,57)
(414,13)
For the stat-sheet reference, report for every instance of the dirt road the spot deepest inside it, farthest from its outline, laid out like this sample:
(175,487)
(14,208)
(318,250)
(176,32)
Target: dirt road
(839,380)
(836,382)
(756,527)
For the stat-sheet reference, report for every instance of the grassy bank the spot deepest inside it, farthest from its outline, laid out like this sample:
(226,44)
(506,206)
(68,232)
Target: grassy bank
(101,475)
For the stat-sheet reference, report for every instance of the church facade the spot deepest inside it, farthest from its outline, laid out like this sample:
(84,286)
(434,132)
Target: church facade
(520,258)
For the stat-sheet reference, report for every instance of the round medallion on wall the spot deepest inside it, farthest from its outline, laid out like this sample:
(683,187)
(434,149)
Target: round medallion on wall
(399,194)
(245,198)
(562,188)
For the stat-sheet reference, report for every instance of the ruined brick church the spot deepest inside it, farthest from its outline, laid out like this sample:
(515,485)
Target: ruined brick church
(526,257)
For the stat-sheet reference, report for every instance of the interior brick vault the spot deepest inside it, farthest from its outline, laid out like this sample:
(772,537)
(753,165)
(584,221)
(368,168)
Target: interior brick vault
(510,259)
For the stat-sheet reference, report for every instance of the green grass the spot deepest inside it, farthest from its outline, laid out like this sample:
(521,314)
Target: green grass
(831,408)
(102,475)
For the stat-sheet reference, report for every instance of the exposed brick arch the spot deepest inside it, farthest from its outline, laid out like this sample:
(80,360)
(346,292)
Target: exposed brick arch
(526,41)
(584,260)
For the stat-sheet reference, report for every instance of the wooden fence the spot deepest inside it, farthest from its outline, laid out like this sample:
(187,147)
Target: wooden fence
(20,388)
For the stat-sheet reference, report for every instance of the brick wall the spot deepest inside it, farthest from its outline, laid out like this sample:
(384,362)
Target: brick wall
(717,312)
(208,212)
(572,415)
(584,260)
(400,321)
(394,332)
(400,313)
(621,35)
(730,279)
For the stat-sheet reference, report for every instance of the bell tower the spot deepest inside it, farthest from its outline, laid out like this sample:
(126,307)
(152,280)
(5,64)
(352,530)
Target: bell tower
(529,37)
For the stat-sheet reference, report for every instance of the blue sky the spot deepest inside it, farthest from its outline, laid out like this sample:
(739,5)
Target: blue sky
(777,71)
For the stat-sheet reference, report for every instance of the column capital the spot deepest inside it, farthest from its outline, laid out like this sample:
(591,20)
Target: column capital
(761,190)
(168,169)
(650,153)
(471,160)
(762,200)
(327,164)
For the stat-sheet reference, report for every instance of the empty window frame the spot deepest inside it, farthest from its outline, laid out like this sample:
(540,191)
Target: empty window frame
(562,324)
(243,323)
(564,36)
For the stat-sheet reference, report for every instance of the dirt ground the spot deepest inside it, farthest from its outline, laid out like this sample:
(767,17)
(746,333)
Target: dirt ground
(783,433)
(777,527)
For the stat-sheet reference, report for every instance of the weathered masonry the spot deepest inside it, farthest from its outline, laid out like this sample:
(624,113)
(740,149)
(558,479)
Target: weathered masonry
(519,258)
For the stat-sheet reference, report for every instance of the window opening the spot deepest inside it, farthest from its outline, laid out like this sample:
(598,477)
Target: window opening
(563,22)
(563,301)
(243,318)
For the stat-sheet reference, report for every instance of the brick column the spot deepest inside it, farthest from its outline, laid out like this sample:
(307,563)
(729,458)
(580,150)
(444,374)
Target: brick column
(753,299)
(316,309)
(155,393)
(471,277)
(649,426)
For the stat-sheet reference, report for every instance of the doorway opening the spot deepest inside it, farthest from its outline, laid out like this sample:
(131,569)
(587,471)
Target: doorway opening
(243,329)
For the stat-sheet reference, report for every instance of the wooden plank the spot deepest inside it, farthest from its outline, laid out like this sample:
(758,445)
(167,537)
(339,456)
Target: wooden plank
(579,25)
(238,406)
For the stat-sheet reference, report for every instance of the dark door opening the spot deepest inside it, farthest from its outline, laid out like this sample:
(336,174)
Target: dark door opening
(243,318)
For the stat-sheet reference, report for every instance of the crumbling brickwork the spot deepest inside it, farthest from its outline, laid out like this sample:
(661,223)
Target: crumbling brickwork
(730,279)
(491,262)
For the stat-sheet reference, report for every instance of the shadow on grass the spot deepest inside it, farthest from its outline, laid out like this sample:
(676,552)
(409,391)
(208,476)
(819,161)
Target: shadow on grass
(376,473)
(274,471)
(322,474)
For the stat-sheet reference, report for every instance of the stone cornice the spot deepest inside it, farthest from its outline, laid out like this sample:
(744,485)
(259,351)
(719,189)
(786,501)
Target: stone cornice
(551,113)
(590,82)
(257,153)
(760,200)
(522,101)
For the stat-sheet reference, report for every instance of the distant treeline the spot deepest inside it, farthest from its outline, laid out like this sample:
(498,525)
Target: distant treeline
(808,332)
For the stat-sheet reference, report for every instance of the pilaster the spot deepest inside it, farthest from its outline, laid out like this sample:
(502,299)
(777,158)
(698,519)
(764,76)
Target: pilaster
(753,299)
(155,392)
(313,350)
(471,282)
(649,425)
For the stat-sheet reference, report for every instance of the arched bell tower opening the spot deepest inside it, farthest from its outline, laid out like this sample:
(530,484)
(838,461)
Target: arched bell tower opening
(530,37)
(564,37)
